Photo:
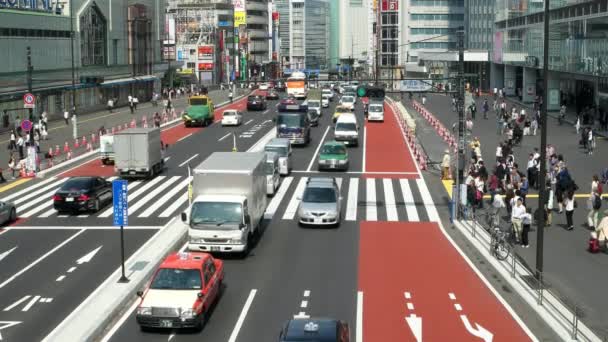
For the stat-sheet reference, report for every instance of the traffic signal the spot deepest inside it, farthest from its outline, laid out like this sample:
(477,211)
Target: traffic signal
(370,91)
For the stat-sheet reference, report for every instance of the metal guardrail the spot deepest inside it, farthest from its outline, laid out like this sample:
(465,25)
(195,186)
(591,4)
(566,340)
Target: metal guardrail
(571,312)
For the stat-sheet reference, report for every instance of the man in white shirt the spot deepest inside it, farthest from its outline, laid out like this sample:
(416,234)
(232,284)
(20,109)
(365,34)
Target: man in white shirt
(66,116)
(517,213)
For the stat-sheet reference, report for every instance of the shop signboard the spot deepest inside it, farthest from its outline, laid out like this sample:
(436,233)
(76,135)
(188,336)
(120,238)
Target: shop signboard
(415,85)
(240,18)
(390,5)
(205,52)
(205,66)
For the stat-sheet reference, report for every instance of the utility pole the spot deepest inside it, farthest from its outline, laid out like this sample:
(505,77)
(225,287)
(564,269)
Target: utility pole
(460,157)
(378,30)
(74,122)
(30,70)
(542,194)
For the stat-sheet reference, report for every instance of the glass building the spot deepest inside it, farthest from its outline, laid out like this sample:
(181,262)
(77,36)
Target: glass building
(578,66)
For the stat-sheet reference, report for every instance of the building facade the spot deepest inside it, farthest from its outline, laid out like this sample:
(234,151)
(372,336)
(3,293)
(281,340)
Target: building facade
(578,66)
(258,38)
(117,52)
(354,39)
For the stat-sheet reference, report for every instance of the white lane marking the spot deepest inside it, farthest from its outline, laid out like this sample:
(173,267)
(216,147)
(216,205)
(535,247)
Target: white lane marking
(301,314)
(183,248)
(83,215)
(259,145)
(379,173)
(188,160)
(241,319)
(371,211)
(314,156)
(5,254)
(50,212)
(351,203)
(364,148)
(30,304)
(185,137)
(294,202)
(359,327)
(225,136)
(339,182)
(266,111)
(304,304)
(272,207)
(246,123)
(408,199)
(37,194)
(458,307)
(67,228)
(71,269)
(431,210)
(10,307)
(133,195)
(121,321)
(60,278)
(28,189)
(307,293)
(151,209)
(151,195)
(407,295)
(88,257)
(173,207)
(389,200)
(410,306)
(40,207)
(452,296)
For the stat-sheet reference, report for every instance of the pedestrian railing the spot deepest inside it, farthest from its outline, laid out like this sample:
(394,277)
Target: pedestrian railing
(571,314)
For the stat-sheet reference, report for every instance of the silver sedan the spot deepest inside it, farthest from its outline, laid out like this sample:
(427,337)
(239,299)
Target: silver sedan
(8,212)
(321,202)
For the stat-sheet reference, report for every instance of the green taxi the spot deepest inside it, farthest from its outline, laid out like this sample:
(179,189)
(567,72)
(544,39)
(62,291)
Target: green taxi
(333,156)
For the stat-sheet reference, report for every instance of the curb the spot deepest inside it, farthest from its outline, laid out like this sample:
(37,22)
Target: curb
(63,164)
(90,320)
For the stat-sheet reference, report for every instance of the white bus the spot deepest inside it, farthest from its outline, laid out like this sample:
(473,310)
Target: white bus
(296,85)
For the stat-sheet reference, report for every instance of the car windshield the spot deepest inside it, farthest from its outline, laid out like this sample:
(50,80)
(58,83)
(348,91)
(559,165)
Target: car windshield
(198,102)
(326,97)
(269,168)
(217,214)
(290,120)
(346,126)
(333,149)
(347,99)
(229,113)
(281,151)
(375,108)
(319,195)
(176,279)
(314,104)
(76,184)
(253,98)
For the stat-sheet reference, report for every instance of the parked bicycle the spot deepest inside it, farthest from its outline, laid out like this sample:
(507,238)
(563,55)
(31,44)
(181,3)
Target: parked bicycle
(499,244)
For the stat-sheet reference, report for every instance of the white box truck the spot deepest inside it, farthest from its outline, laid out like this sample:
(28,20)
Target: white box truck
(228,202)
(137,152)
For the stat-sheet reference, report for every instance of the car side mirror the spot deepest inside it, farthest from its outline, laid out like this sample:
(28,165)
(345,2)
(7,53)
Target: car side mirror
(140,293)
(184,217)
(201,294)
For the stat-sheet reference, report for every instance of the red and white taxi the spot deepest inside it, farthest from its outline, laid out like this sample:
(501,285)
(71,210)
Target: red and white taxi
(181,292)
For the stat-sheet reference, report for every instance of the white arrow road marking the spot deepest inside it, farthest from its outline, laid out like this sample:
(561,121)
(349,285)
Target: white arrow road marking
(171,337)
(31,303)
(5,254)
(8,308)
(88,257)
(6,324)
(415,324)
(480,332)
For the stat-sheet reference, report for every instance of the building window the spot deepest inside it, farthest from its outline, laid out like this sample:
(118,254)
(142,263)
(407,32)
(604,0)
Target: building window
(390,33)
(92,37)
(390,18)
(356,3)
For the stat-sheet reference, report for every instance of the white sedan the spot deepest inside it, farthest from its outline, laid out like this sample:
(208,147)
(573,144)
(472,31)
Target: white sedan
(264,86)
(232,117)
(348,102)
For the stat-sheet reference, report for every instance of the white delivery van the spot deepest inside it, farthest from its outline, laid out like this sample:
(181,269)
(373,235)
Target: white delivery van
(347,129)
(273,178)
(375,111)
(282,147)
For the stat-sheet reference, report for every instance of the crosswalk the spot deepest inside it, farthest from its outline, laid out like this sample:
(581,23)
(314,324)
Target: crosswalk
(370,199)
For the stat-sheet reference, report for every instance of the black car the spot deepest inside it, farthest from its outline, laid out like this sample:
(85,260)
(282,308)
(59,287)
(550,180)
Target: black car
(83,194)
(272,95)
(313,117)
(280,86)
(315,330)
(256,102)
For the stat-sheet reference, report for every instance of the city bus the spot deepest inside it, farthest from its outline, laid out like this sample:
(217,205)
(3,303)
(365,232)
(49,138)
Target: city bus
(296,85)
(199,111)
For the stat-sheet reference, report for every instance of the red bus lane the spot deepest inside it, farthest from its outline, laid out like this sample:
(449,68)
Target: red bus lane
(417,287)
(169,135)
(385,148)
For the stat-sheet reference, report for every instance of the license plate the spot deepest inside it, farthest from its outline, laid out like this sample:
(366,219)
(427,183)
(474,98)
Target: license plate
(131,172)
(318,220)
(165,323)
(215,248)
(332,166)
(69,199)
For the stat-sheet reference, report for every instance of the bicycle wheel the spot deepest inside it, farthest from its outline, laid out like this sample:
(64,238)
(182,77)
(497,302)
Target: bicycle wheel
(502,250)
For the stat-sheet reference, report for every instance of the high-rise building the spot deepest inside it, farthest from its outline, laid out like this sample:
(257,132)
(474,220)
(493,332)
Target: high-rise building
(354,32)
(578,67)
(259,43)
(334,34)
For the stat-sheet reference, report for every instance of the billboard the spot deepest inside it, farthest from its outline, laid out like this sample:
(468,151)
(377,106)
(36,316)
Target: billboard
(497,53)
(415,85)
(240,18)
(390,5)
(239,5)
(205,52)
(205,66)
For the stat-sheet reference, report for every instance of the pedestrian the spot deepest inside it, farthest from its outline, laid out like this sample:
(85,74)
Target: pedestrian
(45,120)
(590,141)
(473,110)
(44,133)
(485,107)
(570,205)
(135,102)
(578,124)
(156,120)
(20,143)
(12,166)
(110,105)
(12,144)
(445,165)
(66,117)
(593,205)
(230,96)
(517,214)
(423,100)
(526,221)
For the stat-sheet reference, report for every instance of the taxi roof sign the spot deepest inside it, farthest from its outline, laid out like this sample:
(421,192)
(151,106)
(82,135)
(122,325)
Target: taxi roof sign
(311,327)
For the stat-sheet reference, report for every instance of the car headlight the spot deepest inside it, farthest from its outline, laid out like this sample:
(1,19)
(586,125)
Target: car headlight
(343,161)
(196,241)
(322,161)
(187,313)
(238,240)
(144,311)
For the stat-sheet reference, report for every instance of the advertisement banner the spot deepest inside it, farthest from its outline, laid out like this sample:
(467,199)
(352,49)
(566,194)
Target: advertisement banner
(30,161)
(205,66)
(239,5)
(390,5)
(240,18)
(497,53)
(415,85)
(205,52)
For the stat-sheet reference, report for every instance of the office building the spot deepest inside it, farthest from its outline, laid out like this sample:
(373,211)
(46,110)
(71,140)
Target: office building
(258,34)
(578,66)
(116,45)
(354,33)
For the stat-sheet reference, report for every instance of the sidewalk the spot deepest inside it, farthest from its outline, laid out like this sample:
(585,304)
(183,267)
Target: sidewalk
(578,277)
(88,124)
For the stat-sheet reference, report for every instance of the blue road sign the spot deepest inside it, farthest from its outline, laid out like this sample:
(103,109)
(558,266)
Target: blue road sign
(121,205)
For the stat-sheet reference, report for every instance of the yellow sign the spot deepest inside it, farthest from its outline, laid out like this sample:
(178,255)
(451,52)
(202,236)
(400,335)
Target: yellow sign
(240,18)
(186,71)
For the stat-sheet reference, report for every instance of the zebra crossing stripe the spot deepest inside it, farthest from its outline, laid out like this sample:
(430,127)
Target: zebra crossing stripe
(292,207)
(37,194)
(151,209)
(389,200)
(28,189)
(408,198)
(133,208)
(351,204)
(110,210)
(431,210)
(183,199)
(371,210)
(272,207)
